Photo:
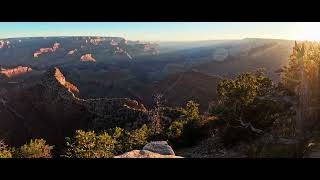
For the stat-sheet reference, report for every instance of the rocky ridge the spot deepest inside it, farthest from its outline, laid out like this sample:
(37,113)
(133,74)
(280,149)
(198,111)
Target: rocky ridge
(50,108)
(15,71)
(111,111)
(46,50)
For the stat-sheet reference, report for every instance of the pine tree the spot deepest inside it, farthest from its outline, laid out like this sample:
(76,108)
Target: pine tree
(302,78)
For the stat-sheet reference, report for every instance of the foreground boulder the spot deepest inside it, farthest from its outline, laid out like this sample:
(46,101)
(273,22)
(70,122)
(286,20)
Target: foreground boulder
(145,154)
(160,147)
(155,149)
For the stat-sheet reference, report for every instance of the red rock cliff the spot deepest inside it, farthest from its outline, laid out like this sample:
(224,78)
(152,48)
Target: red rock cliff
(87,57)
(15,71)
(46,50)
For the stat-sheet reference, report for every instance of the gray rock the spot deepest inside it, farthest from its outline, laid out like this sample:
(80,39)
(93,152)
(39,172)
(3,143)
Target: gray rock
(160,147)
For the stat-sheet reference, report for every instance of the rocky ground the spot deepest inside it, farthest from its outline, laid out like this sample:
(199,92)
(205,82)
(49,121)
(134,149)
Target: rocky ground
(210,148)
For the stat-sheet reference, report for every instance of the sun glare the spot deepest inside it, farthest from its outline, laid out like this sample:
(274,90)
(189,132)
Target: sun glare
(309,31)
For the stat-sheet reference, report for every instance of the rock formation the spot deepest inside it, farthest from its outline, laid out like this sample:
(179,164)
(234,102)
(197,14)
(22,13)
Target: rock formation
(160,147)
(96,41)
(57,50)
(87,58)
(50,108)
(145,154)
(46,50)
(105,112)
(129,56)
(4,44)
(113,43)
(156,149)
(15,71)
(61,79)
(72,52)
(116,50)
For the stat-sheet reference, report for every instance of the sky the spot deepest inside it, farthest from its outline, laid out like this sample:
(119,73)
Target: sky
(165,31)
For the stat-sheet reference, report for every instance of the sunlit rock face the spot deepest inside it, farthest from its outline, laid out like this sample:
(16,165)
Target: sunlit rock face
(55,46)
(71,52)
(50,51)
(46,50)
(61,79)
(124,111)
(87,57)
(113,43)
(4,44)
(15,71)
(97,41)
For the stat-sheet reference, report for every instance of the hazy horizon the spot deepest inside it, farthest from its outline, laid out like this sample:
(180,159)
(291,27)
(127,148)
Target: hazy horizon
(169,41)
(165,31)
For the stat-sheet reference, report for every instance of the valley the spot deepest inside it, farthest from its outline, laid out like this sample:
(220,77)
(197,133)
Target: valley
(101,67)
(52,86)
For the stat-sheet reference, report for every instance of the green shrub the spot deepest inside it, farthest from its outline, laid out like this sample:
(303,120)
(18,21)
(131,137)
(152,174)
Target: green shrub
(89,145)
(136,139)
(117,133)
(5,154)
(106,144)
(4,151)
(175,130)
(184,133)
(165,117)
(187,129)
(171,113)
(181,126)
(191,111)
(249,105)
(36,148)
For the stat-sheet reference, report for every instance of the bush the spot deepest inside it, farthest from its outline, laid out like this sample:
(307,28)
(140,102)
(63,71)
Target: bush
(187,129)
(181,126)
(89,145)
(34,149)
(4,151)
(184,133)
(175,130)
(166,116)
(106,144)
(249,105)
(118,134)
(236,95)
(136,139)
(191,111)
(171,113)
